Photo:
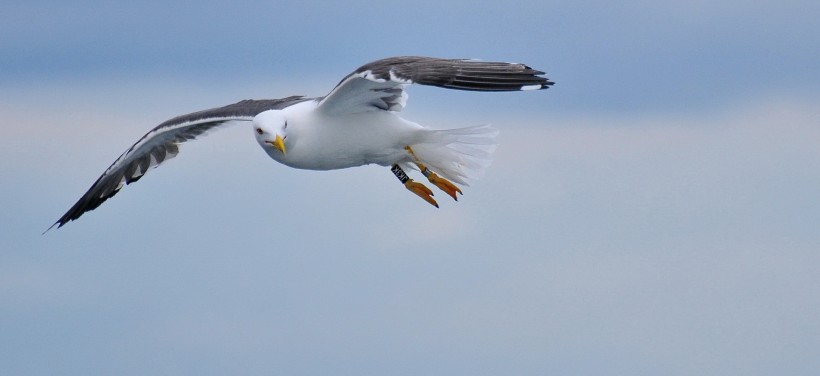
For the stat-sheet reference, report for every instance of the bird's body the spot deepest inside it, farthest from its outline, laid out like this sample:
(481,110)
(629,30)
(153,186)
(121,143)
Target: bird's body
(317,141)
(357,123)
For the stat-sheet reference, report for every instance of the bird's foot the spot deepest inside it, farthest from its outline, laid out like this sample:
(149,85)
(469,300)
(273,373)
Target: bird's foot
(443,184)
(421,190)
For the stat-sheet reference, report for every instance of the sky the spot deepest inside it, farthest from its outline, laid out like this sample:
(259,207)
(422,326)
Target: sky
(655,212)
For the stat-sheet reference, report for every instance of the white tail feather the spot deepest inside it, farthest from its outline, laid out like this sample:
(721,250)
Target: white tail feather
(460,155)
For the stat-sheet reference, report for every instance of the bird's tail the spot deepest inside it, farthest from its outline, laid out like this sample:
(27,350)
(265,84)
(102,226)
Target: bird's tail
(460,155)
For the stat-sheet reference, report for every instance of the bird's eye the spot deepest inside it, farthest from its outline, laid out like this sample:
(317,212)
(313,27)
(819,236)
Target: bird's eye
(259,130)
(286,126)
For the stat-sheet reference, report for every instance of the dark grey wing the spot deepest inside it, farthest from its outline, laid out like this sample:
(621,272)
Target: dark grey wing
(379,85)
(161,144)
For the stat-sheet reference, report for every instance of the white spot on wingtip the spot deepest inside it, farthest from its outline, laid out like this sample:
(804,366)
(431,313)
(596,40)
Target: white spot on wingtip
(531,87)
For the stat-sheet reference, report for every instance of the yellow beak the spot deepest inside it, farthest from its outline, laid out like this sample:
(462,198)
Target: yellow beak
(279,144)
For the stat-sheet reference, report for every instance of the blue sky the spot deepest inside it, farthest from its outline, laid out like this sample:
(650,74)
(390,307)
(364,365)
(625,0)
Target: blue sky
(655,212)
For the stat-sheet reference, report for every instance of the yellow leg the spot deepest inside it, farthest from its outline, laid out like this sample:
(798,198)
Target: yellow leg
(442,183)
(419,189)
(422,191)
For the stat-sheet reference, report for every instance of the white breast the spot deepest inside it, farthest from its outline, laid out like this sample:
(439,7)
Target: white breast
(318,142)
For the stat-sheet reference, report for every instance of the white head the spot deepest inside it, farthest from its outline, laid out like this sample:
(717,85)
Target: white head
(270,129)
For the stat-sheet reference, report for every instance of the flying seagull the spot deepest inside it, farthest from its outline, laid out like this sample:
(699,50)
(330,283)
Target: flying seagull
(356,124)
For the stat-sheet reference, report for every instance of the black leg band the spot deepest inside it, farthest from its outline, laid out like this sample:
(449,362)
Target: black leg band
(399,173)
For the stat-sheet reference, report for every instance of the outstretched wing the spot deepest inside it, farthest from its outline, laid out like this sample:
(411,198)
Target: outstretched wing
(161,144)
(379,85)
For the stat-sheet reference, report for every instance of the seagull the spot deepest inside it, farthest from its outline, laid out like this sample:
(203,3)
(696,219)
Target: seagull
(356,124)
